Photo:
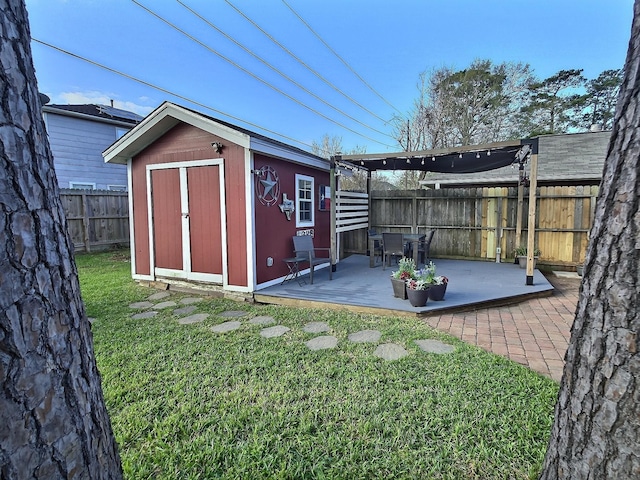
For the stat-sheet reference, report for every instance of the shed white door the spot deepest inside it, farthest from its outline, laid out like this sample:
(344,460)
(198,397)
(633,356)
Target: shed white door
(185,218)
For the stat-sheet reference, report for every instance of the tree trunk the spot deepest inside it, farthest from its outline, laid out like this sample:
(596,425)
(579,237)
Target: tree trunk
(53,421)
(597,418)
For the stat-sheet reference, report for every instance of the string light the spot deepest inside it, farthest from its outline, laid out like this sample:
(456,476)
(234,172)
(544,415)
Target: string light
(478,155)
(460,156)
(408,161)
(384,162)
(422,162)
(433,159)
(488,153)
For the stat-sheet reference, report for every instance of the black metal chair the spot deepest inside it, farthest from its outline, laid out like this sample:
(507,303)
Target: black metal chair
(424,247)
(303,247)
(392,246)
(377,246)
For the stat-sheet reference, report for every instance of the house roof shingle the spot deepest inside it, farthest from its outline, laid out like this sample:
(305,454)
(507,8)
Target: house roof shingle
(99,111)
(575,158)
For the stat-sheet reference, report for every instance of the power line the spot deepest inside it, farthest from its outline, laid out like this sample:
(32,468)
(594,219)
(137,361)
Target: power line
(346,64)
(168,92)
(192,38)
(303,63)
(275,69)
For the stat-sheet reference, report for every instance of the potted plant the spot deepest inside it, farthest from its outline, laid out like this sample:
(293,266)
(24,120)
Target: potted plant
(418,290)
(437,284)
(406,271)
(521,255)
(438,288)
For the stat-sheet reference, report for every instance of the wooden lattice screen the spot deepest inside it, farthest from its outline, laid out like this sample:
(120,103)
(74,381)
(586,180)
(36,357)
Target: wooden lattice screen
(352,211)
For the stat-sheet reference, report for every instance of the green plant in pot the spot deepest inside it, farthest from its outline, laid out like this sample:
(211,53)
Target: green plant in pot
(521,256)
(437,283)
(418,289)
(406,271)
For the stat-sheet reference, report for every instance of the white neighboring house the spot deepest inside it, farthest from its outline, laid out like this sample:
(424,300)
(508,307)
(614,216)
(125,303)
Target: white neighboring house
(78,134)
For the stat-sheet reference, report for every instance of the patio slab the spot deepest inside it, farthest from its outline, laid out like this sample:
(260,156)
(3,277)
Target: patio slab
(357,287)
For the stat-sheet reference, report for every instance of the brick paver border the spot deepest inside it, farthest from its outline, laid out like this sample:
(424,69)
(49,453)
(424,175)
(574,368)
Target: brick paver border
(534,333)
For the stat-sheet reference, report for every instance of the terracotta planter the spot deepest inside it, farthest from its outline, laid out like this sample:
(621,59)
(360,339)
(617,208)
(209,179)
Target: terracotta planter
(418,298)
(436,292)
(399,288)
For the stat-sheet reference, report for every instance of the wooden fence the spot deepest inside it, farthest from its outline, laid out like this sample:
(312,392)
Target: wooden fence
(476,222)
(97,219)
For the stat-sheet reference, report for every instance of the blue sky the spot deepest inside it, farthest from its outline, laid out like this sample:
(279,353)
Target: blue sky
(388,43)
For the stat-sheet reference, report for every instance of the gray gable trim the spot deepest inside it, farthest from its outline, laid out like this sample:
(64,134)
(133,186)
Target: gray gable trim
(575,158)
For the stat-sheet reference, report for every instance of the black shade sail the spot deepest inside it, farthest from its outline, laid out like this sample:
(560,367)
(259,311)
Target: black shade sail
(467,159)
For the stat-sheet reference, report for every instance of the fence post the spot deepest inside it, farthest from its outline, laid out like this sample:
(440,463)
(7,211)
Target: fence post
(414,220)
(85,223)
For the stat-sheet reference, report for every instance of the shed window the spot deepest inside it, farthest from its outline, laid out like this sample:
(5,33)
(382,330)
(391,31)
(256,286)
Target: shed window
(304,201)
(117,188)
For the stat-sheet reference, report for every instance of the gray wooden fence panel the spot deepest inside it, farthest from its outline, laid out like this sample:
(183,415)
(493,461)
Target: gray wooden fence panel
(472,222)
(96,219)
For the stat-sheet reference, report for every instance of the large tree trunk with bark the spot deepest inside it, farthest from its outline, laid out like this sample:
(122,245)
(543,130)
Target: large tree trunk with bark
(53,421)
(596,431)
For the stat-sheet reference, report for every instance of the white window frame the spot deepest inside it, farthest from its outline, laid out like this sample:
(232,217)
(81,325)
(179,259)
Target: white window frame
(82,185)
(299,222)
(117,188)
(121,132)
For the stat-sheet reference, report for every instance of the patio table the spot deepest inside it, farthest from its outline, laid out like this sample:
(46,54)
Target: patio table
(414,238)
(293,264)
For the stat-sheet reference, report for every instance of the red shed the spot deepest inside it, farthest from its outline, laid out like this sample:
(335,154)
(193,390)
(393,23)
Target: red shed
(209,200)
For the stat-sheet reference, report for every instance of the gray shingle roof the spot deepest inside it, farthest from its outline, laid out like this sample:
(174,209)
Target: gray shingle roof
(100,111)
(567,158)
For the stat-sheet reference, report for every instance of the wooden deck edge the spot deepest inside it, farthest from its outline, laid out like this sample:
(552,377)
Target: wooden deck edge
(303,303)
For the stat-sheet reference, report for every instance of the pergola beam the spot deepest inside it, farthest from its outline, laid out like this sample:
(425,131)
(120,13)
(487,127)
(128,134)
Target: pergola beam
(435,152)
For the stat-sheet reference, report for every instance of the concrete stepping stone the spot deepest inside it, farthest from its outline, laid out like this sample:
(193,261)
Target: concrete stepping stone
(190,300)
(322,343)
(390,351)
(91,320)
(434,346)
(316,327)
(196,318)
(185,310)
(232,313)
(365,336)
(271,332)
(159,296)
(262,320)
(141,305)
(226,327)
(140,316)
(163,305)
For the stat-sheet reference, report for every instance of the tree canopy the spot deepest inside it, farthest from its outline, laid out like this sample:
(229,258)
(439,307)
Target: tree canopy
(488,102)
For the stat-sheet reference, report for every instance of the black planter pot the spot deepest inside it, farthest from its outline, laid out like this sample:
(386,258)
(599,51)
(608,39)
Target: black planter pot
(418,298)
(436,292)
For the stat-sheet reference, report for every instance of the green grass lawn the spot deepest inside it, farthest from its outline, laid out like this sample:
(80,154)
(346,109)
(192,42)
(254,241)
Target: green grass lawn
(188,403)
